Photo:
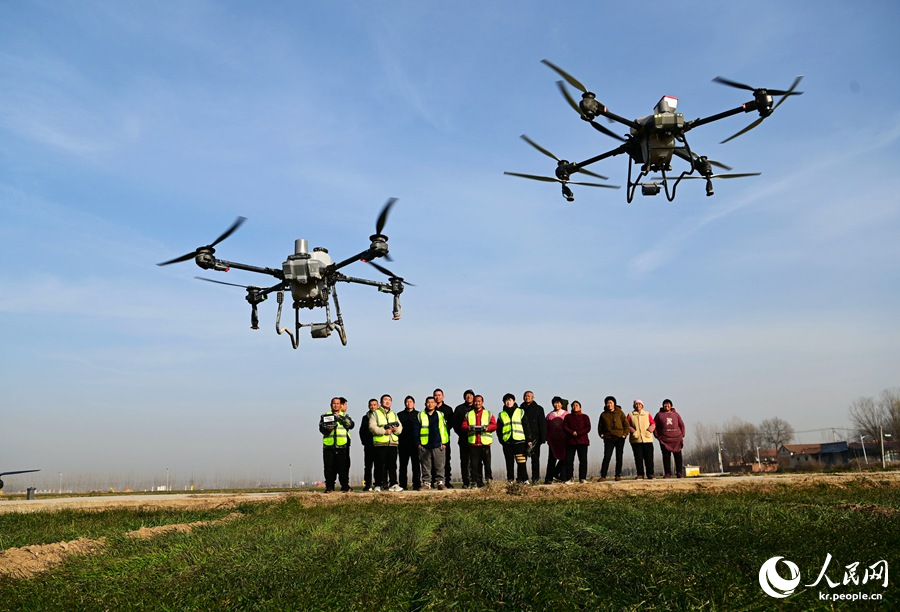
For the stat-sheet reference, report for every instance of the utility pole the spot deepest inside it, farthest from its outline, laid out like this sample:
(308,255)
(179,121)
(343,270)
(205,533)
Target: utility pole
(719,444)
(881,437)
(863,444)
(758,462)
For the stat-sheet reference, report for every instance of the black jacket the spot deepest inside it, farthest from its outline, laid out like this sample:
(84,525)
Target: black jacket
(537,421)
(409,436)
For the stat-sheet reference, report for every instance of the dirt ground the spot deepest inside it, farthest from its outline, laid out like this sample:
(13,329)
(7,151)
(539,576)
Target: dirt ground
(27,561)
(591,489)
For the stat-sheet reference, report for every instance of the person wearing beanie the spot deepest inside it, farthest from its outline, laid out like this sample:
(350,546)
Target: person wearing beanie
(642,426)
(613,429)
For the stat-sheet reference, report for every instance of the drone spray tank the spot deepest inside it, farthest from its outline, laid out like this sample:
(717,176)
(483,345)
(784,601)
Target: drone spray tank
(305,272)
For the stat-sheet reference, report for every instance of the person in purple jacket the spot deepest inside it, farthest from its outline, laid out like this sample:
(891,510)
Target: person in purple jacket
(670,433)
(577,426)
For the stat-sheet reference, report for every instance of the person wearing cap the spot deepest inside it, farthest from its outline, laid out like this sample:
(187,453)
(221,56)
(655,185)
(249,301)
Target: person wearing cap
(408,448)
(335,428)
(670,433)
(577,426)
(642,426)
(613,429)
(386,430)
(462,438)
(516,438)
(479,426)
(537,423)
(434,436)
(556,441)
(365,438)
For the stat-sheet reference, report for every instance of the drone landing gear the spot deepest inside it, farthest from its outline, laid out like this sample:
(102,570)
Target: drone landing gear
(316,330)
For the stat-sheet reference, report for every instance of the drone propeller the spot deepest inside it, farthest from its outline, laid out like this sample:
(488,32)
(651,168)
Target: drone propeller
(699,160)
(561,162)
(725,176)
(2,474)
(382,217)
(255,295)
(760,94)
(210,248)
(553,179)
(594,124)
(388,273)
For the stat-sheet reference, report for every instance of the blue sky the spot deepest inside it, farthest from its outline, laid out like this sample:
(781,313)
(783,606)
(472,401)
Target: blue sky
(133,132)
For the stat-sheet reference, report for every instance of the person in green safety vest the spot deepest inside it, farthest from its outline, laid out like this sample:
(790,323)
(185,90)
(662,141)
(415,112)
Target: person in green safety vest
(478,427)
(515,436)
(335,428)
(386,429)
(434,437)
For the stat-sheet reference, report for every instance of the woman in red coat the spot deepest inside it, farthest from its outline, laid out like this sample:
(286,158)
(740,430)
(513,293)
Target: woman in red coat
(556,440)
(670,433)
(577,425)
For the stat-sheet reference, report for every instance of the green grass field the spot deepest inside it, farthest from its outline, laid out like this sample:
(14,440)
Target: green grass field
(506,549)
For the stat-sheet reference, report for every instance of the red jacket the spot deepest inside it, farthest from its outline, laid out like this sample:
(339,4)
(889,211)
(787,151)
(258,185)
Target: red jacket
(579,424)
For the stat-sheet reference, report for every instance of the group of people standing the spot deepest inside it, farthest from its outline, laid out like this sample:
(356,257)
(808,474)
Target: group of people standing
(420,441)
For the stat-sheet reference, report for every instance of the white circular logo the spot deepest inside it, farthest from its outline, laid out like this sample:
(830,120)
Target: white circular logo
(772,582)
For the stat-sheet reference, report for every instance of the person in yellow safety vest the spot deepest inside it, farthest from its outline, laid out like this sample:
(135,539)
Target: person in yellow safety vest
(516,438)
(479,426)
(385,428)
(335,428)
(433,440)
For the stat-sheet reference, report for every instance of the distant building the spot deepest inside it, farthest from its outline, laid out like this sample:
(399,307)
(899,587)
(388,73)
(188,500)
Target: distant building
(813,456)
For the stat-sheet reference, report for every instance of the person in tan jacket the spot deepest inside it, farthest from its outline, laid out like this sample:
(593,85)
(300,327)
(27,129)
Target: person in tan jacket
(642,426)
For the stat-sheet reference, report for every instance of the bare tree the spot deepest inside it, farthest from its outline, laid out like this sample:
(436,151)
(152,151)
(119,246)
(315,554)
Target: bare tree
(889,402)
(739,441)
(868,417)
(704,450)
(774,432)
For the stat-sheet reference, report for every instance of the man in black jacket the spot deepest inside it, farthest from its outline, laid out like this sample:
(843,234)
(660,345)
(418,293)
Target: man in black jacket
(408,448)
(447,411)
(459,415)
(537,423)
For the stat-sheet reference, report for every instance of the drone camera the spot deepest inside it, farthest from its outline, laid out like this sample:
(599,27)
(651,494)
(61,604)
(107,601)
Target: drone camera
(650,189)
(319,330)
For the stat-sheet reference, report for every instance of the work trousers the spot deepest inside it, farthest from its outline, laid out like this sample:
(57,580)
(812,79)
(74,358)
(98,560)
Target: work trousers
(555,467)
(385,466)
(536,462)
(368,462)
(336,460)
(643,458)
(581,450)
(432,462)
(479,468)
(610,445)
(448,471)
(409,455)
(520,467)
(667,462)
(464,462)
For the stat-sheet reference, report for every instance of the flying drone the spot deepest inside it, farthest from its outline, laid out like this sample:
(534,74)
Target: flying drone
(2,474)
(654,140)
(311,278)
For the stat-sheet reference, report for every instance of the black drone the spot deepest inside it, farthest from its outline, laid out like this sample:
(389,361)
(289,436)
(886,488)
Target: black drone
(311,277)
(15,472)
(653,140)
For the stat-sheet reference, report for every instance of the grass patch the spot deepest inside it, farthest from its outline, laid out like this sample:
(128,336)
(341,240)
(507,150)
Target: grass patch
(653,552)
